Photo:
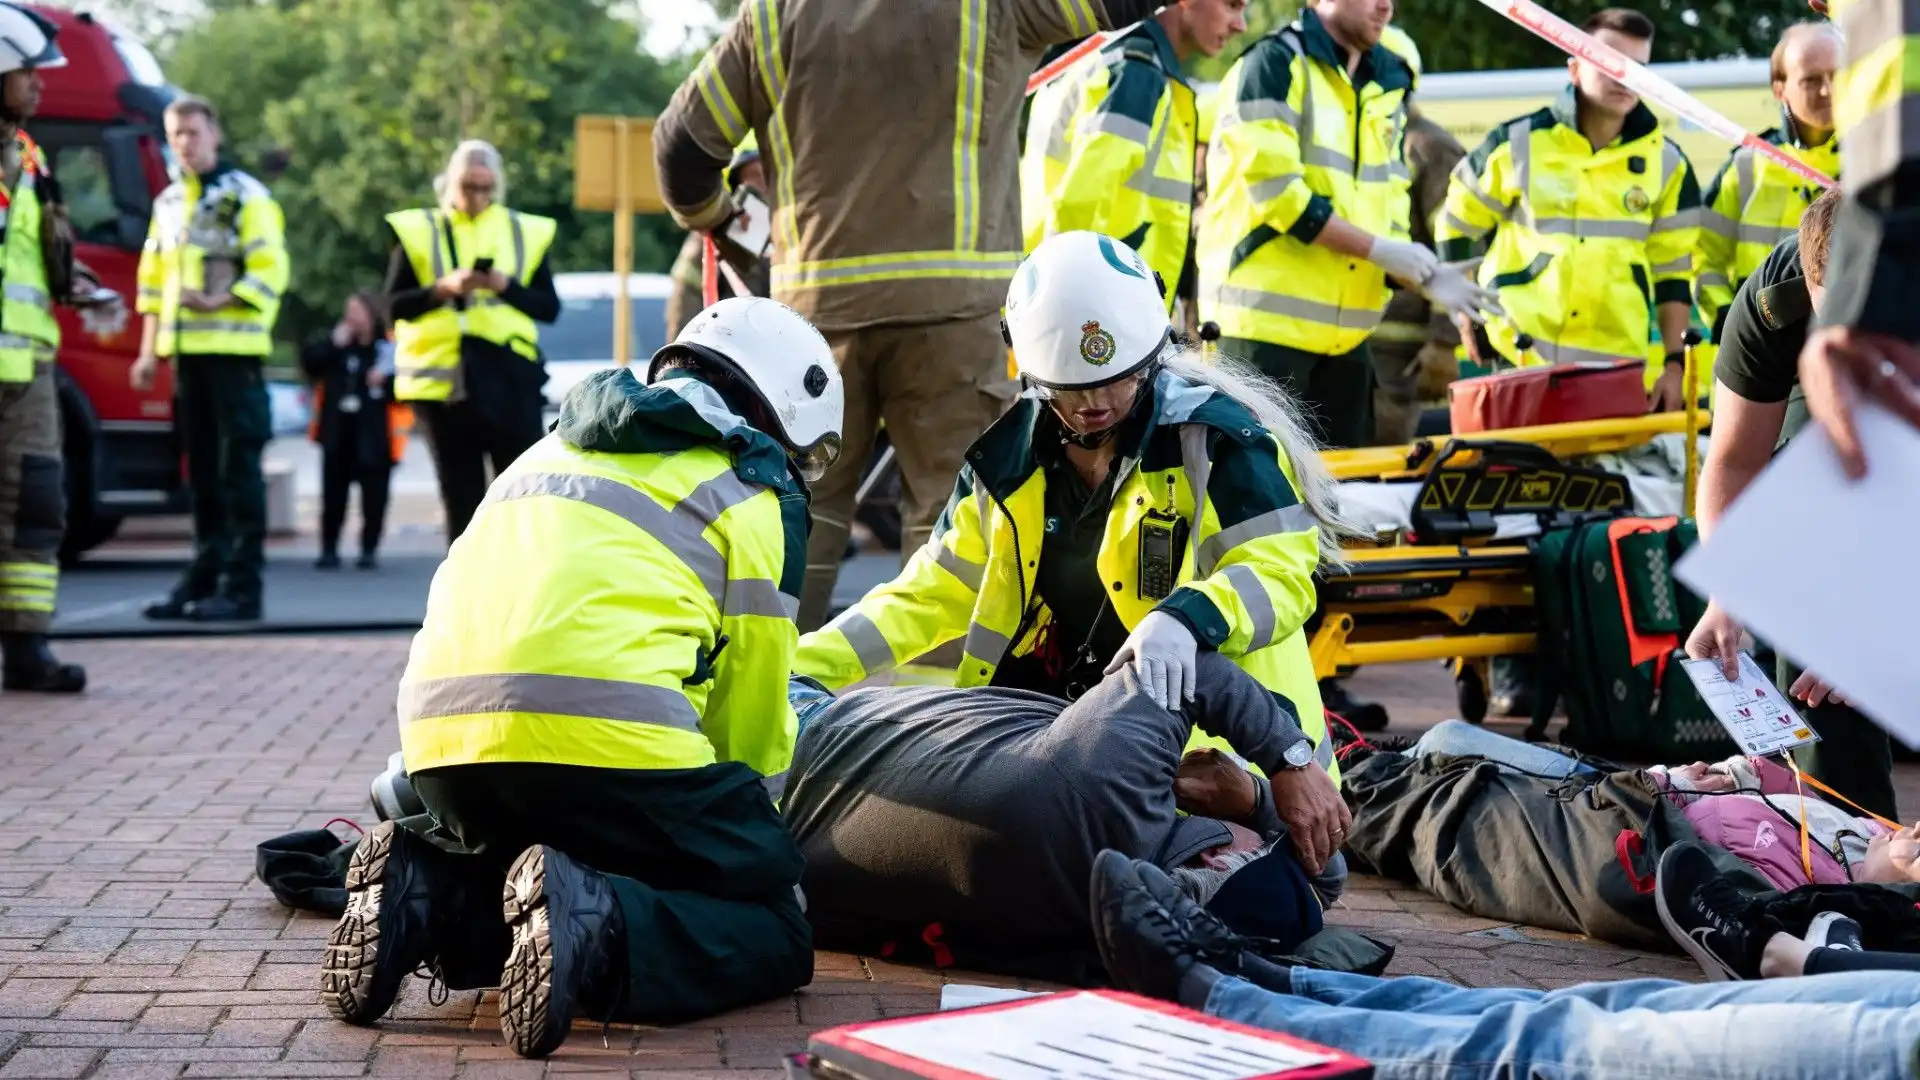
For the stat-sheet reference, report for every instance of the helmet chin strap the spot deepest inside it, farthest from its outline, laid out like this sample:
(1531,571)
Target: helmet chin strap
(1094,440)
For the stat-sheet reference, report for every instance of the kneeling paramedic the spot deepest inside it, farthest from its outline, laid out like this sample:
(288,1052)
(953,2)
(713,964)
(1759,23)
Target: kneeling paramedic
(1136,506)
(595,707)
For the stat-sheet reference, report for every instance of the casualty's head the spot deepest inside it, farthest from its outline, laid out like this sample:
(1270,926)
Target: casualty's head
(1629,33)
(772,368)
(474,178)
(1356,24)
(1203,26)
(193,133)
(1803,67)
(26,47)
(1087,321)
(1816,237)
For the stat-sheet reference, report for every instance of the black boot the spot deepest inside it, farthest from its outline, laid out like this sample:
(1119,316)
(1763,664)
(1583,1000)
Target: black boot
(175,608)
(400,895)
(566,941)
(1155,940)
(225,608)
(30,666)
(1363,715)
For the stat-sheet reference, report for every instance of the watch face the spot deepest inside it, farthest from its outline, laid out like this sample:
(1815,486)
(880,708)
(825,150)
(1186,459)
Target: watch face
(1299,753)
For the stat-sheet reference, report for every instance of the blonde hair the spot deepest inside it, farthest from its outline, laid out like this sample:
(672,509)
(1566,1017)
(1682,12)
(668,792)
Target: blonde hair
(469,153)
(1276,411)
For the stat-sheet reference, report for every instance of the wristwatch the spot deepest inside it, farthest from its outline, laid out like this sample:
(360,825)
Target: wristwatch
(1677,359)
(1300,754)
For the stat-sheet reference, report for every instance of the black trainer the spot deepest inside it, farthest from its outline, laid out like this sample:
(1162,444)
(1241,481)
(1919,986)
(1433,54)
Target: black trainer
(1220,947)
(1700,909)
(566,930)
(398,886)
(1832,930)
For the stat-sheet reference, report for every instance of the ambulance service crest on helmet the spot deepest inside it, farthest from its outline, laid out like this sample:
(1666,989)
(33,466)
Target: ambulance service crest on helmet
(1096,345)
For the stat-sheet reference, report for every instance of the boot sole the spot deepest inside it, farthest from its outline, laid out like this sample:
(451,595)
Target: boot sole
(526,986)
(347,976)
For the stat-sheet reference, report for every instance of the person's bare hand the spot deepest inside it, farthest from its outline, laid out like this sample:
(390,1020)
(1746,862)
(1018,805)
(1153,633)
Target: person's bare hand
(1317,818)
(1716,635)
(1668,393)
(1211,784)
(376,378)
(1815,691)
(195,300)
(1840,367)
(450,285)
(494,281)
(145,372)
(1469,339)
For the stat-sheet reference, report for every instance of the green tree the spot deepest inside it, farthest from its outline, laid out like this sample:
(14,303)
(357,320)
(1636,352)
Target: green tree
(1465,35)
(367,97)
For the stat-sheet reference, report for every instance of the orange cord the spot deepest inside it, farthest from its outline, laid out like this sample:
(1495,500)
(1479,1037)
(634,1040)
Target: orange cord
(1801,779)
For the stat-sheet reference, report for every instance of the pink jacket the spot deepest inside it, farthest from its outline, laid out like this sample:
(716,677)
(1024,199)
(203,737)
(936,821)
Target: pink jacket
(1761,824)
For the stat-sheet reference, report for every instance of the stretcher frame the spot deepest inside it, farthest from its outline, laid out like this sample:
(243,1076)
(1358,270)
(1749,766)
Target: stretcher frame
(1470,600)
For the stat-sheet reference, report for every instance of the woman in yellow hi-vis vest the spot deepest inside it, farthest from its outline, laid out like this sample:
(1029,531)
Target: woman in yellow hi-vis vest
(467,283)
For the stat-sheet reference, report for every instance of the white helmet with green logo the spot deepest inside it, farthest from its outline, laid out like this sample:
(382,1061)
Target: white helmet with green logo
(1084,311)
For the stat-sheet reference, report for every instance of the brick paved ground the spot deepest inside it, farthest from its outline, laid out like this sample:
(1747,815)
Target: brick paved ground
(134,941)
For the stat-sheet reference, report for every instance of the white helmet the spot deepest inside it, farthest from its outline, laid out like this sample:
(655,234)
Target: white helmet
(1084,311)
(776,354)
(26,40)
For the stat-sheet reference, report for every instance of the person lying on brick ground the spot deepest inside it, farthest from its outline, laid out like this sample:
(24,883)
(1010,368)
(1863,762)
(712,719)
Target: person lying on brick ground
(1861,1025)
(966,820)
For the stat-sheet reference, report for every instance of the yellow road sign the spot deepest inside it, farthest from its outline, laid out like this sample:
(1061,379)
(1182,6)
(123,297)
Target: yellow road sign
(601,170)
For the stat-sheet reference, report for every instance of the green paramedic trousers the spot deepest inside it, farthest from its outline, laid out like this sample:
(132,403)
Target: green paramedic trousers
(702,865)
(33,503)
(224,419)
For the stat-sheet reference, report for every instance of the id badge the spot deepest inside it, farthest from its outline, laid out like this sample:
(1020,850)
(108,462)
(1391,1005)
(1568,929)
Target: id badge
(1156,556)
(350,403)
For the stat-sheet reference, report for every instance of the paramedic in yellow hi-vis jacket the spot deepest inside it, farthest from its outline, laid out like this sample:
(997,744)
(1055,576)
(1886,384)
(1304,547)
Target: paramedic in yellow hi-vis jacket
(596,705)
(1754,203)
(1595,216)
(210,283)
(1307,211)
(1135,506)
(1111,143)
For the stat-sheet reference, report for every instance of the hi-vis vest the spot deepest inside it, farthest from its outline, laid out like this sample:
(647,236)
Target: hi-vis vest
(1110,149)
(428,348)
(220,231)
(1245,579)
(1296,141)
(1585,243)
(1750,207)
(579,620)
(29,333)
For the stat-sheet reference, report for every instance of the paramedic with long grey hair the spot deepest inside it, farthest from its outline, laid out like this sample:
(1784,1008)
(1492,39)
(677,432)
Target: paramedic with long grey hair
(467,284)
(1135,507)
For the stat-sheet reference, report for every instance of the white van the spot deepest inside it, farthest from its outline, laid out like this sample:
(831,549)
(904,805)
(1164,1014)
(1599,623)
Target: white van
(580,342)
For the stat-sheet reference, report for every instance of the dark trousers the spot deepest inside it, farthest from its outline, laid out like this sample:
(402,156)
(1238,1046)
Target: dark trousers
(1335,392)
(464,441)
(1853,757)
(224,420)
(700,862)
(340,470)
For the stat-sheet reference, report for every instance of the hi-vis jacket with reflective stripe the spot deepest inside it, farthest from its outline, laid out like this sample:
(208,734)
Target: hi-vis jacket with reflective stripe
(1110,149)
(1874,264)
(891,141)
(1585,242)
(623,599)
(1297,141)
(438,242)
(29,334)
(206,230)
(1244,582)
(1751,206)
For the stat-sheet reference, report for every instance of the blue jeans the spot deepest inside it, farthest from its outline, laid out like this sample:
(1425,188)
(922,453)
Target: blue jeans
(1460,738)
(1860,1025)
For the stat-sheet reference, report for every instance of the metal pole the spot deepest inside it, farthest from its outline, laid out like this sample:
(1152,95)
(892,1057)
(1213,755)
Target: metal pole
(622,242)
(1690,387)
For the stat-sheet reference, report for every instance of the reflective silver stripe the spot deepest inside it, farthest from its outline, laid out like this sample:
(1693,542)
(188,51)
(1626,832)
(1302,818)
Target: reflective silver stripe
(1253,596)
(427,374)
(1323,751)
(189,325)
(794,276)
(557,695)
(26,294)
(1610,230)
(1679,219)
(1743,177)
(258,286)
(1471,232)
(147,292)
(1568,354)
(437,261)
(1718,223)
(1287,519)
(1715,280)
(1125,127)
(1199,470)
(681,530)
(1272,187)
(1296,308)
(1883,138)
(1677,266)
(869,645)
(1463,175)
(1326,158)
(1057,145)
(1520,146)
(1770,235)
(1377,174)
(253,246)
(759,596)
(980,497)
(1145,181)
(16,341)
(970,573)
(1265,109)
(984,643)
(1671,162)
(519,244)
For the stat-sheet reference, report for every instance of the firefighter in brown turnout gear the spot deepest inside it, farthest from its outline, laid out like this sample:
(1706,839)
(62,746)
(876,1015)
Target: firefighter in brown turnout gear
(890,138)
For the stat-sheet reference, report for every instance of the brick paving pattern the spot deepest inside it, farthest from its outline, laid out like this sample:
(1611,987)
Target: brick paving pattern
(135,941)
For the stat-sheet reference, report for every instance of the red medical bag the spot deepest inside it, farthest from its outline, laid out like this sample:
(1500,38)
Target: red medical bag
(1556,394)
